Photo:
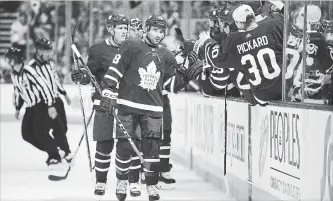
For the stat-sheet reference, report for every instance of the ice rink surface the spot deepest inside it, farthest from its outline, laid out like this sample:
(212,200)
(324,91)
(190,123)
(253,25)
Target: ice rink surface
(24,174)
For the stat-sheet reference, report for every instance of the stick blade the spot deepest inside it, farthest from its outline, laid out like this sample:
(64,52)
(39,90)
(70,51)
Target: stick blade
(59,178)
(179,34)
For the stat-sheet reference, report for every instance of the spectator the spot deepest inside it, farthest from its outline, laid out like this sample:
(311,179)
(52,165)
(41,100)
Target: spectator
(18,31)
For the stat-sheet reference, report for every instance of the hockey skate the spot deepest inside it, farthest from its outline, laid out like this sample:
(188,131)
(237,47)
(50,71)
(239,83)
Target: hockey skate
(100,189)
(135,189)
(166,182)
(153,192)
(121,190)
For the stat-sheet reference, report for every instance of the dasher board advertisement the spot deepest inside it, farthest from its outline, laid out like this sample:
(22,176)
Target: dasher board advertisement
(293,152)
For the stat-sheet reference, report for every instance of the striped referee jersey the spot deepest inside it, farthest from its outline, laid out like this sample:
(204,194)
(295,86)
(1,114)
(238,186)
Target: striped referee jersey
(48,74)
(29,88)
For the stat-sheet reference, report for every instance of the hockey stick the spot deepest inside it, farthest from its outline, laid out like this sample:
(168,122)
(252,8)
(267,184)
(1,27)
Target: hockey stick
(180,36)
(81,99)
(99,89)
(59,178)
(225,129)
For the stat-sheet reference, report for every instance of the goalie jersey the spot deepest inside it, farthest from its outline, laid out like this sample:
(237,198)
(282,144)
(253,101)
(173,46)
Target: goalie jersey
(137,75)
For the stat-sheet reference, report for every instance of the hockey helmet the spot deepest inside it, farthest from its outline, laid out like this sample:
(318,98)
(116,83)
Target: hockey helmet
(241,12)
(221,13)
(136,23)
(15,54)
(43,44)
(156,21)
(116,19)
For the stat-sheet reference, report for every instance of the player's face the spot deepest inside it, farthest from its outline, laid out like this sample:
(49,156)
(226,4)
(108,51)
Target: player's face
(135,32)
(120,33)
(156,35)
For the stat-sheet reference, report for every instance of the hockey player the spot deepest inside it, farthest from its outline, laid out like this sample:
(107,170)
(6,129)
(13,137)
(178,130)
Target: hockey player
(134,85)
(45,68)
(135,32)
(31,89)
(100,57)
(214,81)
(255,51)
(135,29)
(318,58)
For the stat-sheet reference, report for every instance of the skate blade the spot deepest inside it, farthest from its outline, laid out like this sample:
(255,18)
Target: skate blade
(164,186)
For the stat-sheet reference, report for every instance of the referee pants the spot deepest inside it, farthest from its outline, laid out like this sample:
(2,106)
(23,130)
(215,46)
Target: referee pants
(59,126)
(35,130)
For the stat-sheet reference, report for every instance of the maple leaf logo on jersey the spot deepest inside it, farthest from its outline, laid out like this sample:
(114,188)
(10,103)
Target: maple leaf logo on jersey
(150,77)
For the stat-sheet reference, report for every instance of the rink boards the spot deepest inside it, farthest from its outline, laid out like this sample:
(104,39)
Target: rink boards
(273,153)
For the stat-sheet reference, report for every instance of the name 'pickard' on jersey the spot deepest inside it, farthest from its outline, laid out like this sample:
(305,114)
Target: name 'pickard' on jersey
(257,54)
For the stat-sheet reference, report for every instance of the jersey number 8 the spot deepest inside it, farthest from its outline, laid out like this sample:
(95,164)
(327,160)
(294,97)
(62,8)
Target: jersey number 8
(263,65)
(116,59)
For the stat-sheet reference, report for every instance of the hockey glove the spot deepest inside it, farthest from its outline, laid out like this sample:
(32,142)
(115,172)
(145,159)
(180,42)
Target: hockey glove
(79,76)
(192,58)
(108,101)
(193,71)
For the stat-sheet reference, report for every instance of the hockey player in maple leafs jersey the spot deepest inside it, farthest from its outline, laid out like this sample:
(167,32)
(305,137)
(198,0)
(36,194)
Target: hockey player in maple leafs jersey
(99,60)
(318,59)
(134,84)
(256,51)
(213,80)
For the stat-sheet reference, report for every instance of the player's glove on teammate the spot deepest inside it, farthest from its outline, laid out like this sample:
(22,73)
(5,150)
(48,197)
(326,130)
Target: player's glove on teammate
(108,101)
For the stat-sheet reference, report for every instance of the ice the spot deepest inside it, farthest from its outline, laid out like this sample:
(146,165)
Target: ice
(24,173)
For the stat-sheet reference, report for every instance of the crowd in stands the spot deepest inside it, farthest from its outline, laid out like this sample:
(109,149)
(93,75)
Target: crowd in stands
(47,19)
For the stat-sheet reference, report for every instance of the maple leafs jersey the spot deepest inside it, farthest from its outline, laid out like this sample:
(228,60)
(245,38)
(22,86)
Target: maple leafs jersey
(136,76)
(100,56)
(257,54)
(213,80)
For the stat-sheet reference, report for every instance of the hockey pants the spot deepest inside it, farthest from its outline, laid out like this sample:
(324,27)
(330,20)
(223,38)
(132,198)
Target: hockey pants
(149,127)
(103,134)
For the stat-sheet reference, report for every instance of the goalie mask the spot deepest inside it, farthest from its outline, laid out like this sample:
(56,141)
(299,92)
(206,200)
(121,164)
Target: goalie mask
(135,28)
(312,20)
